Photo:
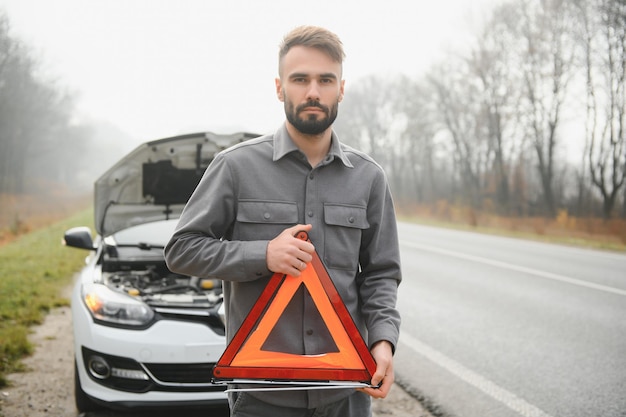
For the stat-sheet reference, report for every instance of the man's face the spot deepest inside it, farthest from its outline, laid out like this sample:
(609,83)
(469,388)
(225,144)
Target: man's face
(311,87)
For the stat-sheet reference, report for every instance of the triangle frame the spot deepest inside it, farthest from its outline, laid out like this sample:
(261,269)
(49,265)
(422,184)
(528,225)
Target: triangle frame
(243,358)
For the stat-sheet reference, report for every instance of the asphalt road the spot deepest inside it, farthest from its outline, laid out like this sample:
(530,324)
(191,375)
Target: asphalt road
(504,327)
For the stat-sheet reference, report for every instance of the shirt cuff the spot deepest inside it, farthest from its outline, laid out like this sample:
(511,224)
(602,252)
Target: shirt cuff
(255,259)
(378,335)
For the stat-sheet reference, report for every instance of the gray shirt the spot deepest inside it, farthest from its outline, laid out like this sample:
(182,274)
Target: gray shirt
(252,192)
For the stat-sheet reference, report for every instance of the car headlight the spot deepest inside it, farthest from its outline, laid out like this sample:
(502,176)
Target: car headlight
(115,308)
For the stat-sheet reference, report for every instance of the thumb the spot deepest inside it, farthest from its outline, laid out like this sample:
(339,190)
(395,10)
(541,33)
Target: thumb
(378,376)
(300,228)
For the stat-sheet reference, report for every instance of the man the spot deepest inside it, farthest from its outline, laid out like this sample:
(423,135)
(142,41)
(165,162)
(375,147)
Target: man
(240,223)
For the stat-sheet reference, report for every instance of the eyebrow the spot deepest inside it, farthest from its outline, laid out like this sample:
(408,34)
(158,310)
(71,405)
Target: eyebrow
(305,75)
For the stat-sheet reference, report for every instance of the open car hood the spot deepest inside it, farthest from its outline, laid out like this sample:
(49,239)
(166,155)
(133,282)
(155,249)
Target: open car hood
(154,181)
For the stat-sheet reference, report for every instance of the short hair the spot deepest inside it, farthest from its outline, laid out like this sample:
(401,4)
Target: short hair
(312,37)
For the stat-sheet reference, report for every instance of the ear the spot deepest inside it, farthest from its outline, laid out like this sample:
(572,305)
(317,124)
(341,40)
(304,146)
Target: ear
(341,89)
(279,90)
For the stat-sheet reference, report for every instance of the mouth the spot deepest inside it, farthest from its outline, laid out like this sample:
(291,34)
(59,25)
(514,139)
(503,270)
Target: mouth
(311,107)
(312,110)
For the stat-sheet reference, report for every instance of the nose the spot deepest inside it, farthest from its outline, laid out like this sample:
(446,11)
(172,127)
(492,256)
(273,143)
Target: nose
(313,92)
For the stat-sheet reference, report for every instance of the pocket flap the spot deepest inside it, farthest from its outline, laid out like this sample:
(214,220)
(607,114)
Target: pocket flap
(346,216)
(267,212)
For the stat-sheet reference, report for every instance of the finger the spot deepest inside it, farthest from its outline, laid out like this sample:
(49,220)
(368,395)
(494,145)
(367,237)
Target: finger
(301,266)
(292,271)
(384,370)
(299,228)
(304,256)
(382,390)
(378,377)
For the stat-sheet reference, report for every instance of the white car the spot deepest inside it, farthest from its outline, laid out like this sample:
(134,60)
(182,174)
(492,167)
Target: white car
(145,337)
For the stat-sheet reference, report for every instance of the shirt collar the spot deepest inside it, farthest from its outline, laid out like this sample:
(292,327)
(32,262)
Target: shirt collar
(283,145)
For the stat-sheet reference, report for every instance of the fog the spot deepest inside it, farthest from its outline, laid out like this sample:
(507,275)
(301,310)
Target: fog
(504,106)
(157,68)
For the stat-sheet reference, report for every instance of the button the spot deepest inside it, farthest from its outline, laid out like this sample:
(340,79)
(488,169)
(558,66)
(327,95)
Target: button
(309,332)
(266,216)
(350,219)
(311,176)
(310,213)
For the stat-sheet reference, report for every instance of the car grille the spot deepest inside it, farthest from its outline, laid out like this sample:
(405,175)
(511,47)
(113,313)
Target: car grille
(189,373)
(212,319)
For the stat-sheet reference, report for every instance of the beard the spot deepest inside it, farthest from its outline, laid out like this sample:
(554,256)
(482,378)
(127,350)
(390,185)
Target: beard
(312,125)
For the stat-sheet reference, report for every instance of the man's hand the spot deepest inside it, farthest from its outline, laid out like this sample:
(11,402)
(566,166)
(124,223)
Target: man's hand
(287,254)
(383,355)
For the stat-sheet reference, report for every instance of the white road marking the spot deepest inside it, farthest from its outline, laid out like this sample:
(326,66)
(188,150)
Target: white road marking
(496,392)
(505,265)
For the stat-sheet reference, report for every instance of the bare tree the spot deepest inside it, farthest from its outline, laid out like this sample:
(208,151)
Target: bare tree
(604,45)
(419,147)
(462,117)
(495,64)
(547,53)
(16,68)
(34,119)
(373,121)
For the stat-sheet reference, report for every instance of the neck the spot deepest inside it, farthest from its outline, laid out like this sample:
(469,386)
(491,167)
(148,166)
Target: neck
(315,147)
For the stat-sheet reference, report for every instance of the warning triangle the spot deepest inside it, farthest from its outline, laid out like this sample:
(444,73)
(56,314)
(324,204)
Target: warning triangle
(247,355)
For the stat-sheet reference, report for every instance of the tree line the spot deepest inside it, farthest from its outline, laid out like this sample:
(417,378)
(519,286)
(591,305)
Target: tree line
(45,146)
(36,133)
(489,127)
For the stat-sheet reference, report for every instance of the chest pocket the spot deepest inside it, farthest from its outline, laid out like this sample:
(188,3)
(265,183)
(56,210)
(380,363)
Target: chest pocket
(343,239)
(258,219)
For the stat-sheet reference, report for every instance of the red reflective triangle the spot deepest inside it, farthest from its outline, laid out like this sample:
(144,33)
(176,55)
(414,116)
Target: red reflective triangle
(243,357)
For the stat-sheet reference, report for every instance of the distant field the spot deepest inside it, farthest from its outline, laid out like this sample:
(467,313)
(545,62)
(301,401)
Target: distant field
(21,214)
(564,229)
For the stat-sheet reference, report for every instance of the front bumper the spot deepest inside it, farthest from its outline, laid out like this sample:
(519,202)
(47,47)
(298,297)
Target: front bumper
(168,363)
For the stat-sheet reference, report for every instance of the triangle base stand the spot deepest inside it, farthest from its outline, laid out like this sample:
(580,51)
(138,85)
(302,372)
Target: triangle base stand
(271,385)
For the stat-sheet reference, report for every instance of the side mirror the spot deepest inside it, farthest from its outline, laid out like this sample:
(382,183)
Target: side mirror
(79,237)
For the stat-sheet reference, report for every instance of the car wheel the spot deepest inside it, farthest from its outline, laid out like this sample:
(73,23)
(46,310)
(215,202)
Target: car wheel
(83,402)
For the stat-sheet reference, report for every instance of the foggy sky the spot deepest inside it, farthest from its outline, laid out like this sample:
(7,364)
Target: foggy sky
(156,68)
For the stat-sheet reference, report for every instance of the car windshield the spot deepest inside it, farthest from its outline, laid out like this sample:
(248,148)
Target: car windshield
(155,233)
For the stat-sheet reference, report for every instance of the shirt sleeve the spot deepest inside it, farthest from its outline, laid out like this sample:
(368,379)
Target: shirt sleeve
(380,269)
(199,245)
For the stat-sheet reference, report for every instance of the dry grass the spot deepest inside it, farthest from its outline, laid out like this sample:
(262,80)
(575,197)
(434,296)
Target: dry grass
(565,229)
(20,214)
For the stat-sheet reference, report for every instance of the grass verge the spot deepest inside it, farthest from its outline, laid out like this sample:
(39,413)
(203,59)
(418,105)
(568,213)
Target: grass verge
(564,229)
(34,269)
